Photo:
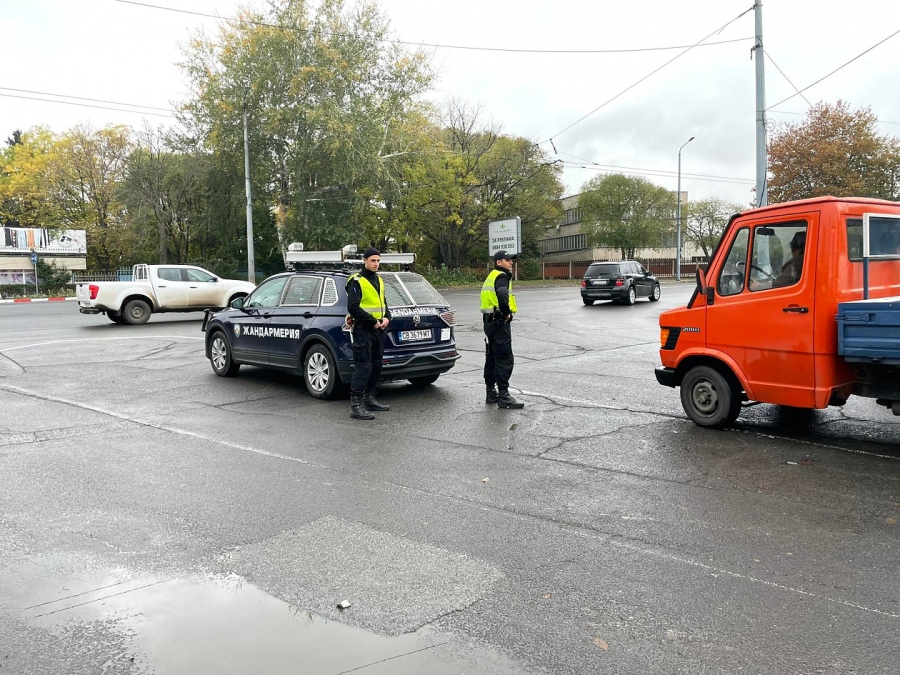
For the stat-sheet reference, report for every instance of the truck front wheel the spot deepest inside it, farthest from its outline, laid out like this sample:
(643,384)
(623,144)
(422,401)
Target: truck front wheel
(709,399)
(136,312)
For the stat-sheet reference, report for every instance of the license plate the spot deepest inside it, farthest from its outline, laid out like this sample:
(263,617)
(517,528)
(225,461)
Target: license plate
(600,282)
(414,335)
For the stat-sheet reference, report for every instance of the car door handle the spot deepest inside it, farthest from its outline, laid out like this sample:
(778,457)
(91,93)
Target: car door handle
(161,286)
(796,309)
(307,315)
(192,287)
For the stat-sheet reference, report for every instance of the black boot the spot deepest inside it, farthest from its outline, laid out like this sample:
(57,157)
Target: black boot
(504,400)
(372,403)
(358,409)
(491,394)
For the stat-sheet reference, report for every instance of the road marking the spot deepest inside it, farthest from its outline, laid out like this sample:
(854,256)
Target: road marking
(160,427)
(124,337)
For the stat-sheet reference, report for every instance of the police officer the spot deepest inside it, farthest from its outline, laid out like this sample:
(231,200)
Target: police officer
(498,304)
(371,315)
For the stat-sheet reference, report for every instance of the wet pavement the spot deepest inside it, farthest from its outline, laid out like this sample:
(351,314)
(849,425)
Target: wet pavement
(157,519)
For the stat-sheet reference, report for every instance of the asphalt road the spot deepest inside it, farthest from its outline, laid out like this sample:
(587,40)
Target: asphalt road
(157,519)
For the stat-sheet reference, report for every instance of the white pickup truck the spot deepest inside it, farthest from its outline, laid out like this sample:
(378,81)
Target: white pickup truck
(159,288)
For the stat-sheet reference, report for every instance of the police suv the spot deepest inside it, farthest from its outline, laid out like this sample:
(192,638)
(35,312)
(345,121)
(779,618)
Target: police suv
(297,322)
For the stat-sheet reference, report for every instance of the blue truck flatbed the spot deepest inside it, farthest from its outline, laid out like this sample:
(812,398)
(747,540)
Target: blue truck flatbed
(869,330)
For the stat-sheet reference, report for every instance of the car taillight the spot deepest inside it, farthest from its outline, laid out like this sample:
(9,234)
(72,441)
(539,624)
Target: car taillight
(449,317)
(94,289)
(583,283)
(620,282)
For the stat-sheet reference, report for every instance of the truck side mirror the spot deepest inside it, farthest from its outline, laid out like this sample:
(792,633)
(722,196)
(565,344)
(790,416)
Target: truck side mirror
(701,280)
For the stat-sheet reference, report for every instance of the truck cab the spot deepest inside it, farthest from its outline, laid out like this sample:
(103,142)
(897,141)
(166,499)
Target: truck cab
(762,324)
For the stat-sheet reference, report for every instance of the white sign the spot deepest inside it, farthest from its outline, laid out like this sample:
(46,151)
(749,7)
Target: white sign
(505,235)
(28,239)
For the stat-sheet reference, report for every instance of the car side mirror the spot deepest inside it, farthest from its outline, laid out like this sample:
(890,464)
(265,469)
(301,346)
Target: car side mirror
(237,303)
(646,273)
(213,280)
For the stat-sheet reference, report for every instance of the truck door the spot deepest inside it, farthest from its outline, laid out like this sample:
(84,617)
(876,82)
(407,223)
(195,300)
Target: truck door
(298,310)
(171,289)
(250,337)
(764,309)
(203,289)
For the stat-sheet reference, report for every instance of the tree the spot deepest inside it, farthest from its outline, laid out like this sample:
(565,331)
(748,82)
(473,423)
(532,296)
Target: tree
(625,212)
(324,88)
(166,193)
(52,277)
(705,220)
(84,177)
(25,198)
(471,175)
(834,151)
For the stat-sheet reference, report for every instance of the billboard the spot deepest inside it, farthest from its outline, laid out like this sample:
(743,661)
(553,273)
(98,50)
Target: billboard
(505,235)
(28,239)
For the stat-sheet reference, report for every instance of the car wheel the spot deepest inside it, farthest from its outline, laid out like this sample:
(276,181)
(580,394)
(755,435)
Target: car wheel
(708,398)
(587,301)
(632,296)
(220,356)
(115,317)
(654,296)
(423,381)
(320,372)
(136,312)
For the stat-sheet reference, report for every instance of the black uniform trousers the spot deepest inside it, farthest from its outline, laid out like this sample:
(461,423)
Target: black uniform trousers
(498,360)
(368,352)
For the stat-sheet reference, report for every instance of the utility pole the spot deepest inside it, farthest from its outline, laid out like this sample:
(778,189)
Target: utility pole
(762,197)
(678,217)
(251,259)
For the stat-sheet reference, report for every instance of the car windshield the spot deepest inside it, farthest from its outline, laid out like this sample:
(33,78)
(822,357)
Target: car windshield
(605,270)
(406,289)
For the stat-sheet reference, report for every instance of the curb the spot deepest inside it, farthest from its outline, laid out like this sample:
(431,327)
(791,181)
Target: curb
(20,300)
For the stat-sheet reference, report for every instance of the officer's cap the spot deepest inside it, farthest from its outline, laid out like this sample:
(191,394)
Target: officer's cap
(503,255)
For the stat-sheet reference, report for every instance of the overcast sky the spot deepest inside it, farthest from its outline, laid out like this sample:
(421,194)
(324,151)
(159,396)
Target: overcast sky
(109,50)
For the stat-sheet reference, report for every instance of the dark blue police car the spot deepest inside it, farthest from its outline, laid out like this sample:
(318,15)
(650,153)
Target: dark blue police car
(295,322)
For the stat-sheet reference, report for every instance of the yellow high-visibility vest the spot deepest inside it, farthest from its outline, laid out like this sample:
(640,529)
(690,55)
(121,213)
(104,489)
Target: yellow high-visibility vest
(489,300)
(372,300)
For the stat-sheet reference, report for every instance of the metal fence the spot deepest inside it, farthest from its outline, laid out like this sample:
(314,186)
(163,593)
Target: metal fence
(662,268)
(121,274)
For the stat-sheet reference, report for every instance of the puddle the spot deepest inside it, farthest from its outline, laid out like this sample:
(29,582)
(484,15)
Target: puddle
(223,624)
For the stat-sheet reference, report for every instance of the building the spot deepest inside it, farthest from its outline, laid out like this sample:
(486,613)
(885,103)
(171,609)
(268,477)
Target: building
(565,242)
(66,248)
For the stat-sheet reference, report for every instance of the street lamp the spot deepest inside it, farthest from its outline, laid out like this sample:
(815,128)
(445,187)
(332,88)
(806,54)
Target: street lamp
(678,217)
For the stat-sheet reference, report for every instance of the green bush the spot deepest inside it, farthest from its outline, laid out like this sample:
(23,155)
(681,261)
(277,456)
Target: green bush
(444,276)
(53,279)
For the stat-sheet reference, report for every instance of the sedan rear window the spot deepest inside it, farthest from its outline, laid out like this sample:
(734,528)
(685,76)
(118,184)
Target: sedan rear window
(605,270)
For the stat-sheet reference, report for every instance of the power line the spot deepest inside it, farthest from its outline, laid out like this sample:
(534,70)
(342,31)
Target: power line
(647,76)
(658,174)
(436,45)
(877,44)
(769,56)
(82,98)
(88,105)
(654,171)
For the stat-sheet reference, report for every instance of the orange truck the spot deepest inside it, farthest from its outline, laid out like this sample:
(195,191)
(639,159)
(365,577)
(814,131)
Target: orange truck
(799,306)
